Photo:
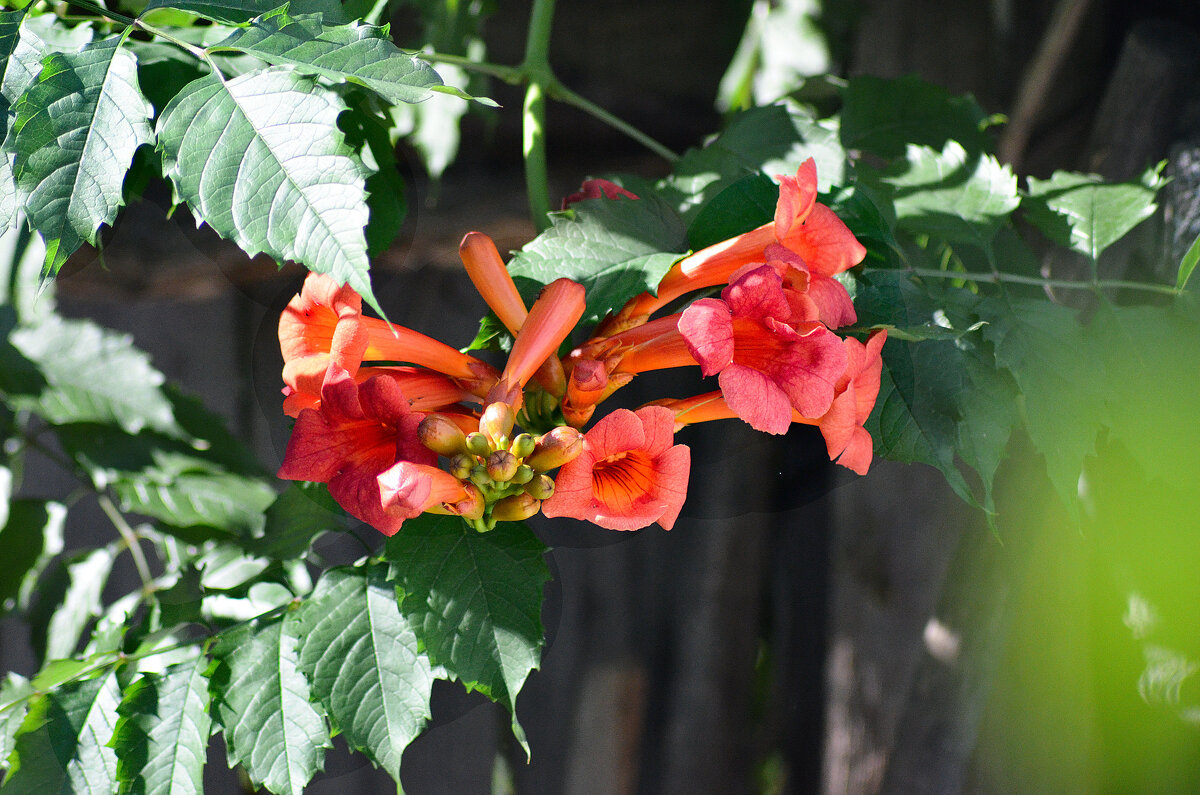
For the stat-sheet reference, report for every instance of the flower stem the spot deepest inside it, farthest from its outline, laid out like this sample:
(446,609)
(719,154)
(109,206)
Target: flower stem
(1063,284)
(536,68)
(558,91)
(130,537)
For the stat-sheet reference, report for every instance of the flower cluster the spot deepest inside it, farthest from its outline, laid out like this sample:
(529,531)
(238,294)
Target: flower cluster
(439,433)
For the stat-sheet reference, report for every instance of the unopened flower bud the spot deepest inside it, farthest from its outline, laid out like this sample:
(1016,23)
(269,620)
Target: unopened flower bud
(461,464)
(501,466)
(496,423)
(472,506)
(522,446)
(516,508)
(478,444)
(441,435)
(524,474)
(555,448)
(479,476)
(541,487)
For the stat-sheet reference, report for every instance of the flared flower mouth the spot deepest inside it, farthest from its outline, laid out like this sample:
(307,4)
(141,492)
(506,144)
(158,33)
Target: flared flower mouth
(629,474)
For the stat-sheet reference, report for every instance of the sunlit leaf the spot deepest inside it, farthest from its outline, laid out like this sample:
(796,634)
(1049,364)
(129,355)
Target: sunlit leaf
(363,658)
(1188,264)
(271,725)
(15,693)
(235,12)
(261,160)
(62,745)
(161,738)
(297,516)
(74,136)
(613,247)
(952,194)
(71,600)
(94,375)
(356,53)
(1086,213)
(474,600)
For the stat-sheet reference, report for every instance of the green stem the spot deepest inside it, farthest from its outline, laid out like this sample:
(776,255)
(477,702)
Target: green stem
(534,150)
(131,22)
(132,542)
(536,68)
(1013,278)
(513,75)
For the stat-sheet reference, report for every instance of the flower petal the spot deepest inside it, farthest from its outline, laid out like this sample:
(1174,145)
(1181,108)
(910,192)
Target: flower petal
(707,327)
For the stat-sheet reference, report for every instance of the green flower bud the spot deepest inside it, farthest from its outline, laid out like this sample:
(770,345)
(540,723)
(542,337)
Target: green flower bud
(478,444)
(524,474)
(461,465)
(523,445)
(516,508)
(541,487)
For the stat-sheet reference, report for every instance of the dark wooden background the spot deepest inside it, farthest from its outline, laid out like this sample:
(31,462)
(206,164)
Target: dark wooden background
(784,637)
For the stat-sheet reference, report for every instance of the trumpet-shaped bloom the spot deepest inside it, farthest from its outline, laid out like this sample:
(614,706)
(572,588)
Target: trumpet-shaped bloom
(426,390)
(324,326)
(842,426)
(554,314)
(809,229)
(628,475)
(408,490)
(766,367)
(358,433)
(812,296)
(846,439)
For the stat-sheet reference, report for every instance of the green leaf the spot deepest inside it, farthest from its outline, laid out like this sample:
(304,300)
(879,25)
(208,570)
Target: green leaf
(74,135)
(916,413)
(492,336)
(161,738)
(770,141)
(1188,264)
(31,536)
(235,152)
(432,127)
(15,693)
(614,248)
(62,746)
(71,601)
(368,134)
(235,12)
(39,35)
(355,53)
(1150,363)
(94,375)
(1086,213)
(189,503)
(364,662)
(952,194)
(1059,375)
(744,205)
(272,727)
(474,600)
(988,414)
(884,116)
(296,517)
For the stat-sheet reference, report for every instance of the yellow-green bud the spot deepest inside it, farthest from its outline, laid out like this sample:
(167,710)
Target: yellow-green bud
(541,487)
(516,508)
(478,444)
(479,476)
(555,448)
(496,423)
(523,445)
(524,474)
(461,465)
(441,435)
(501,466)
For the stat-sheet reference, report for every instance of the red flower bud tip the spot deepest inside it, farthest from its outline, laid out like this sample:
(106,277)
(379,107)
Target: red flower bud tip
(555,448)
(501,466)
(588,380)
(441,435)
(472,506)
(491,279)
(516,508)
(552,317)
(595,189)
(496,423)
